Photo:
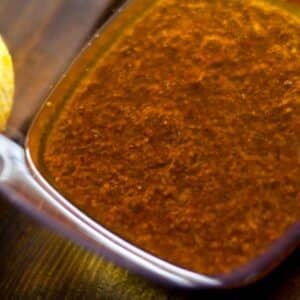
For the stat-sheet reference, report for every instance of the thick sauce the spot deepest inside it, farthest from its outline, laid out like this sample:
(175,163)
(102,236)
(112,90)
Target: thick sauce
(185,139)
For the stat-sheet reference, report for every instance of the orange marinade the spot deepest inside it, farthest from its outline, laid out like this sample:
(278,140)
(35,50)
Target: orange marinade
(185,139)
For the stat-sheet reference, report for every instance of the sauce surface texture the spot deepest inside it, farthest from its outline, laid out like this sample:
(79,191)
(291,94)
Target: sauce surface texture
(185,139)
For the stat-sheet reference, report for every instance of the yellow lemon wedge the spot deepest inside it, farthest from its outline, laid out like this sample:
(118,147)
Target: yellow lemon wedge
(6,84)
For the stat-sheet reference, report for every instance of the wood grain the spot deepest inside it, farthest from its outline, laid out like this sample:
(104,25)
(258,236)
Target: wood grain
(44,36)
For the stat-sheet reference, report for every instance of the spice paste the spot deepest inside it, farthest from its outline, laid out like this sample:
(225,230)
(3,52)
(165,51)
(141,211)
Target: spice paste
(185,139)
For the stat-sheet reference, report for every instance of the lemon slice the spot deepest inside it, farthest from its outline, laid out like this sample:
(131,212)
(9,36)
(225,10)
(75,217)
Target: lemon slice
(6,84)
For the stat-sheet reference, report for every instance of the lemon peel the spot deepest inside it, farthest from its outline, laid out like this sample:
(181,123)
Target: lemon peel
(6,84)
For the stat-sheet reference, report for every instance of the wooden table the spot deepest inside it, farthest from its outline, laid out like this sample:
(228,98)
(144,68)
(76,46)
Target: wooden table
(44,35)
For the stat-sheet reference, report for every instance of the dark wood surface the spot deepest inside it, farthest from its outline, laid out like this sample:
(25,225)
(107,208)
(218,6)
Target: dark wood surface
(35,263)
(43,37)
